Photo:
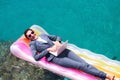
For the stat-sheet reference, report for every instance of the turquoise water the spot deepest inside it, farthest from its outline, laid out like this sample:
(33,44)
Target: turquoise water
(89,24)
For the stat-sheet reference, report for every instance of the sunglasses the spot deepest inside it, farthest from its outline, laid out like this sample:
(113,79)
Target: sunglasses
(29,36)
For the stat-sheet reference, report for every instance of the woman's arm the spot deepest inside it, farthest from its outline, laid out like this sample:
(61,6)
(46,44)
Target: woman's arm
(57,42)
(54,38)
(37,55)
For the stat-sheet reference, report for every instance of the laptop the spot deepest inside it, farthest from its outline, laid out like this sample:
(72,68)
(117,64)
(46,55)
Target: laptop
(61,49)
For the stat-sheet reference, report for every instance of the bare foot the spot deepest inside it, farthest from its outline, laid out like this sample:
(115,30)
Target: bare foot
(113,78)
(110,77)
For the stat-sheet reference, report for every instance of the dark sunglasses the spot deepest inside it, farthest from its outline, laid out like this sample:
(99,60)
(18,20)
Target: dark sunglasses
(29,36)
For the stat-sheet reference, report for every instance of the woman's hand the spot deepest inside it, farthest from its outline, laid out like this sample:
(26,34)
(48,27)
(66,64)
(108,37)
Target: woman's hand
(52,49)
(57,44)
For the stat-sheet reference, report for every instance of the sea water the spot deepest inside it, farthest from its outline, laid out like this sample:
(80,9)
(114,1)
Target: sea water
(88,24)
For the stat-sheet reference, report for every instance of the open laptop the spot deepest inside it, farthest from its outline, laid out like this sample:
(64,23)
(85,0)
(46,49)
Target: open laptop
(61,49)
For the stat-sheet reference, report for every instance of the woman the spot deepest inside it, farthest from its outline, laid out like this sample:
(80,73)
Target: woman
(44,44)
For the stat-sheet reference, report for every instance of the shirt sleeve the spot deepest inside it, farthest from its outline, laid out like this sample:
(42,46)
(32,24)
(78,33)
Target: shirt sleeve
(37,55)
(54,38)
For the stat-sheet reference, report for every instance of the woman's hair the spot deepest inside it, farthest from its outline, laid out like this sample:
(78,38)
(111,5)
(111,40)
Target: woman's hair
(26,32)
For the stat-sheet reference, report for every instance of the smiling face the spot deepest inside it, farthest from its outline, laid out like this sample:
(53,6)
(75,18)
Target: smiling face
(30,34)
